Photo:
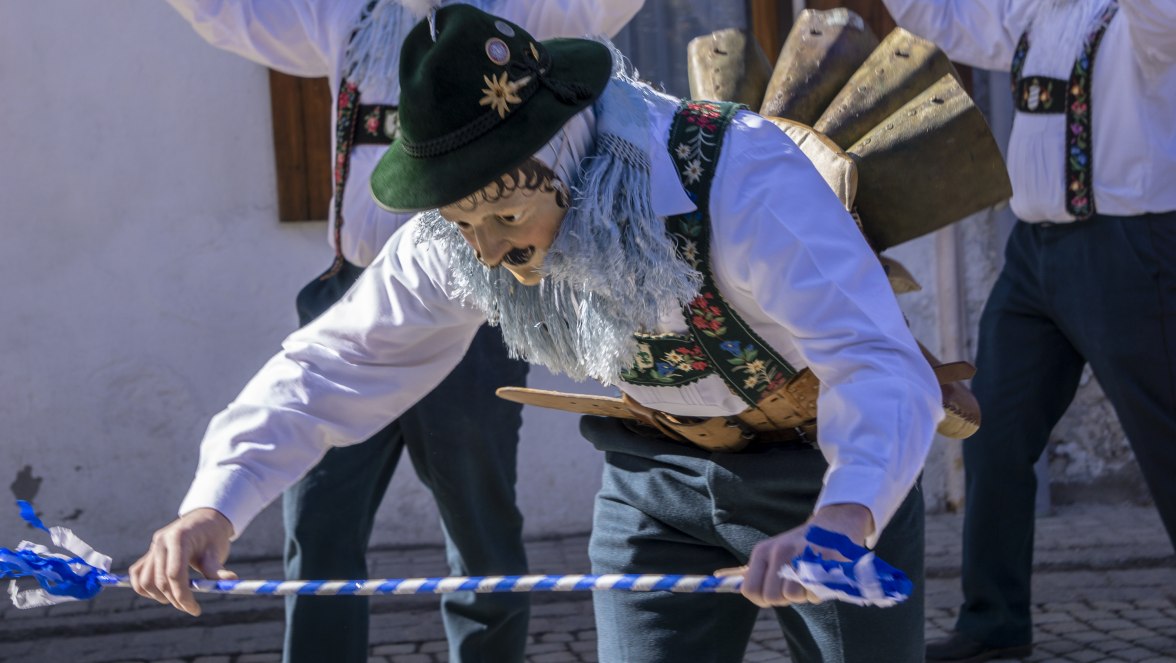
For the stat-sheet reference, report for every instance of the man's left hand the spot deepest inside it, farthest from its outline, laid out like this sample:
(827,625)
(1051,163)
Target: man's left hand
(762,584)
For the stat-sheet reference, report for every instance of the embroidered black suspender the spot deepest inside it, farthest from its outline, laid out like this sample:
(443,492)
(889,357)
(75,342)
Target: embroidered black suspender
(355,124)
(720,342)
(1039,94)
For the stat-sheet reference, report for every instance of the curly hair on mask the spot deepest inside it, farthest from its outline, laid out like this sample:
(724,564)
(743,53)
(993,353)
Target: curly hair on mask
(527,178)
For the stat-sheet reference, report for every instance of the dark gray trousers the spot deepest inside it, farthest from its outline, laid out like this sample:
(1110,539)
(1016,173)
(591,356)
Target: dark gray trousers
(665,507)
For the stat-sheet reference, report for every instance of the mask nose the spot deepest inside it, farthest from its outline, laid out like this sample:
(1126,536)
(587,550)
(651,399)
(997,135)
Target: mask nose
(490,247)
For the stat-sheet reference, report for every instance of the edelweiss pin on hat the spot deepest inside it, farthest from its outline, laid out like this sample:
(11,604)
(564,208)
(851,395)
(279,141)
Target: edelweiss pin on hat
(479,96)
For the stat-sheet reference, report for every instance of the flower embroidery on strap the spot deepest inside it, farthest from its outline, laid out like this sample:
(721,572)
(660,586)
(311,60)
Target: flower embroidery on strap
(719,342)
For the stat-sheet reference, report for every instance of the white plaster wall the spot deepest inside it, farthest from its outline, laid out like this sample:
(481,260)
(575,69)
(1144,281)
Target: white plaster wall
(145,277)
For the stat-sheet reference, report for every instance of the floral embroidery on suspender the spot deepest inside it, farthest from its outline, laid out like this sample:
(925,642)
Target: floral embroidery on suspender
(1079,165)
(1019,62)
(1041,95)
(345,122)
(719,341)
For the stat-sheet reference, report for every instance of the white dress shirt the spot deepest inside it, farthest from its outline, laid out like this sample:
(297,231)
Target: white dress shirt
(1133,99)
(786,256)
(309,38)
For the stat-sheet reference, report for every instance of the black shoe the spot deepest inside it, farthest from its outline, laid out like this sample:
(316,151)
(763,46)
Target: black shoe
(959,648)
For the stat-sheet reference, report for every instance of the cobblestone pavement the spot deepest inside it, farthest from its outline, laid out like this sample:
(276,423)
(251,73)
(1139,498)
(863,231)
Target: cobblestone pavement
(1104,590)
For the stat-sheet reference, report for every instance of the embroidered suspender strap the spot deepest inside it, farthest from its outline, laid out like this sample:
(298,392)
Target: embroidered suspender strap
(1079,161)
(347,110)
(347,105)
(720,342)
(1038,94)
(378,125)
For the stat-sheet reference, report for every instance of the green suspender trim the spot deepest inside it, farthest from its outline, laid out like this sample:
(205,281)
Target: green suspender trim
(719,340)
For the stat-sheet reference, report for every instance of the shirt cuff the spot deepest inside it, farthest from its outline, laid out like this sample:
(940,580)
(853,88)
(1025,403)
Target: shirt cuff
(229,490)
(867,486)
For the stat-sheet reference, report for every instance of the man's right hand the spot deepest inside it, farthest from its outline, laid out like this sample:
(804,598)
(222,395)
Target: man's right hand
(199,539)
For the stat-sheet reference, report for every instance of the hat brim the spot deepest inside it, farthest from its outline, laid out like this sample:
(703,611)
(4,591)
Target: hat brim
(403,183)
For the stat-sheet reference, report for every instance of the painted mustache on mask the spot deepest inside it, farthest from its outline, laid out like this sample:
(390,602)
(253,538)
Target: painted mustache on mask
(519,257)
(515,257)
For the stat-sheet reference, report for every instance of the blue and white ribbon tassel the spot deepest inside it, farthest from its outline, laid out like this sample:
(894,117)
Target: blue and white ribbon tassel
(863,580)
(61,577)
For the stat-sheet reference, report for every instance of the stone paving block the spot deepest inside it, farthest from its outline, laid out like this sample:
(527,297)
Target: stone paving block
(1086,636)
(395,649)
(434,647)
(561,608)
(1132,634)
(1087,656)
(1058,646)
(269,657)
(546,648)
(414,658)
(555,657)
(556,637)
(377,659)
(1066,627)
(1158,643)
(1051,617)
(1135,654)
(1144,615)
(776,644)
(1110,645)
(1108,625)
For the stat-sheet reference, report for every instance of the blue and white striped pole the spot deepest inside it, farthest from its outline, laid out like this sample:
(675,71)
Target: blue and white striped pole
(694,584)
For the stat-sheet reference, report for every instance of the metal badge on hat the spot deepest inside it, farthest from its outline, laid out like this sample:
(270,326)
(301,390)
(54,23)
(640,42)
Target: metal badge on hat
(500,92)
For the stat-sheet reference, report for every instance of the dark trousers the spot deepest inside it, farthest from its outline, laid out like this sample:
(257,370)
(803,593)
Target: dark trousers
(462,441)
(1101,291)
(668,508)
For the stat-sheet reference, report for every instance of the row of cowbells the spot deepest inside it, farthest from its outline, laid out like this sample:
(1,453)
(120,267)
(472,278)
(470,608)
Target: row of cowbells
(898,137)
(888,126)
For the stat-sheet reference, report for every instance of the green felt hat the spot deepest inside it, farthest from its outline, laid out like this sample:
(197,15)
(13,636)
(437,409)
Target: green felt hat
(478,97)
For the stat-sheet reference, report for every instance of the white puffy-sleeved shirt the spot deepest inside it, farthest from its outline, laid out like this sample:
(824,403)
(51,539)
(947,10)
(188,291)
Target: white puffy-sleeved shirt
(786,256)
(310,38)
(1133,99)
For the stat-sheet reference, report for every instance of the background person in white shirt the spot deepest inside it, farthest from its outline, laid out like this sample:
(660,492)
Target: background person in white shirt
(461,439)
(611,232)
(1090,272)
